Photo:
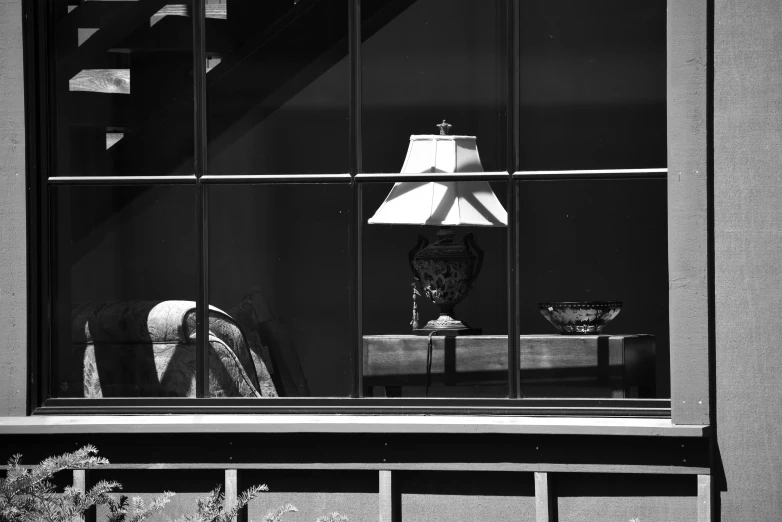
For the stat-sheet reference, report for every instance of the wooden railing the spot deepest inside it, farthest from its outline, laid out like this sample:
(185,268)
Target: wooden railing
(389,500)
(540,450)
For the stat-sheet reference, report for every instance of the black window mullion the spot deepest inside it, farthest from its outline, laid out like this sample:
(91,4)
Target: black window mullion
(38,100)
(514,356)
(354,242)
(199,162)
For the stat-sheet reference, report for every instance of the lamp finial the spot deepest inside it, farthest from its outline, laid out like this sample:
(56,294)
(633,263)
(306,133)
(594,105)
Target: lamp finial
(445,128)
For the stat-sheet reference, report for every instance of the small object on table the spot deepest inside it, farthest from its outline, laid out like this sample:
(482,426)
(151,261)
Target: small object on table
(580,317)
(414,322)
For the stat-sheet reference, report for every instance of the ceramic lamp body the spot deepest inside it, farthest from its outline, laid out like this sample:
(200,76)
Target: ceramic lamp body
(446,271)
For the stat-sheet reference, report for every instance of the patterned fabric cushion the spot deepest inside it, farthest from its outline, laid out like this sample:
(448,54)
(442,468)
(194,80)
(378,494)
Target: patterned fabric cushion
(147,349)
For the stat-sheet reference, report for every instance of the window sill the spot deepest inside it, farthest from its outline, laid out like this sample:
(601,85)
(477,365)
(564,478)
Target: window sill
(514,425)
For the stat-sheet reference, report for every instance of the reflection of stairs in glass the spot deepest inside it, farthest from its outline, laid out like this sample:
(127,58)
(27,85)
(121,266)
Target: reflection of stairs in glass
(118,73)
(262,65)
(218,11)
(109,81)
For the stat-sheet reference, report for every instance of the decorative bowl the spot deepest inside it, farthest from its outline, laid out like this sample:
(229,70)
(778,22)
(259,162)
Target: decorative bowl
(580,317)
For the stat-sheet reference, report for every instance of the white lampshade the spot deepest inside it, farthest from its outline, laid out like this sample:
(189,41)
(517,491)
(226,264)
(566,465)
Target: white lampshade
(441,203)
(437,153)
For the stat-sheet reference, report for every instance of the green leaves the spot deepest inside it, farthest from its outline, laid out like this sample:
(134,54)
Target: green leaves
(276,515)
(28,494)
(120,510)
(332,517)
(212,507)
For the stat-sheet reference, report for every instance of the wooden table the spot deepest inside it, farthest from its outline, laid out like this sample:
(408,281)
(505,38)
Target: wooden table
(551,365)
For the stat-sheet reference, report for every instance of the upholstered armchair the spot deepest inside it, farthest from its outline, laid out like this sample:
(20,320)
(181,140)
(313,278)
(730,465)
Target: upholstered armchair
(147,349)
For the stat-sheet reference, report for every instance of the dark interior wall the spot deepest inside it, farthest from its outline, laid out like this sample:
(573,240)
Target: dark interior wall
(437,60)
(592,84)
(748,247)
(597,240)
(125,243)
(580,241)
(118,244)
(290,242)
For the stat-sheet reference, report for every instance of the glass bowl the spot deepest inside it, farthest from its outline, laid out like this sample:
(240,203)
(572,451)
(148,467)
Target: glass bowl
(580,317)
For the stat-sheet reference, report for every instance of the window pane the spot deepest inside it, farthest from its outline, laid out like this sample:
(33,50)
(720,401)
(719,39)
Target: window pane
(123,88)
(395,354)
(600,240)
(593,85)
(279,268)
(431,60)
(124,291)
(278,87)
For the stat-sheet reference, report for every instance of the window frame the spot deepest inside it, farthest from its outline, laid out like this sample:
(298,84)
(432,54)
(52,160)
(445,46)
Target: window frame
(690,231)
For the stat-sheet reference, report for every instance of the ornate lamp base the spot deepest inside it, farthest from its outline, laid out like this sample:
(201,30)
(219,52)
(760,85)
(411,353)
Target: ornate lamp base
(446,271)
(446,325)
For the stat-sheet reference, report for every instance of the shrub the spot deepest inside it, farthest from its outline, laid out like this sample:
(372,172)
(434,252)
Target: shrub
(28,495)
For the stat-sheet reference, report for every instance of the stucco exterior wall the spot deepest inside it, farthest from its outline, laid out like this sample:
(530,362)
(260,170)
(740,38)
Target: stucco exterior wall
(13,277)
(748,254)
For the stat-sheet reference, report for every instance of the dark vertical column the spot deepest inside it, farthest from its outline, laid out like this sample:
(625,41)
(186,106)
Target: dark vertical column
(354,51)
(512,30)
(200,140)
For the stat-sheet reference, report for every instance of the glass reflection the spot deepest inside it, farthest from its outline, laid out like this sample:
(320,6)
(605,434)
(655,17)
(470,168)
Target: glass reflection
(123,88)
(277,87)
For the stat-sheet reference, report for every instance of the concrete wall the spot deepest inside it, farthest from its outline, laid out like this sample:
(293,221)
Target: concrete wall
(13,276)
(748,250)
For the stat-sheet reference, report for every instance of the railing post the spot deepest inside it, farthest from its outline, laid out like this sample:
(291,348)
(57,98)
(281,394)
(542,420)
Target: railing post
(390,499)
(232,492)
(80,483)
(545,499)
(704,498)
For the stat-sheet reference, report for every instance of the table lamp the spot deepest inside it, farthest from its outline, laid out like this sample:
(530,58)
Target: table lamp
(445,269)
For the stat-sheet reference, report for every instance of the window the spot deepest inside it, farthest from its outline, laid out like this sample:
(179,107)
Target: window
(226,251)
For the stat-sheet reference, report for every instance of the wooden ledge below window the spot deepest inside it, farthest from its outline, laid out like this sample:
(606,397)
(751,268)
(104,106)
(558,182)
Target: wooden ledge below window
(347,424)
